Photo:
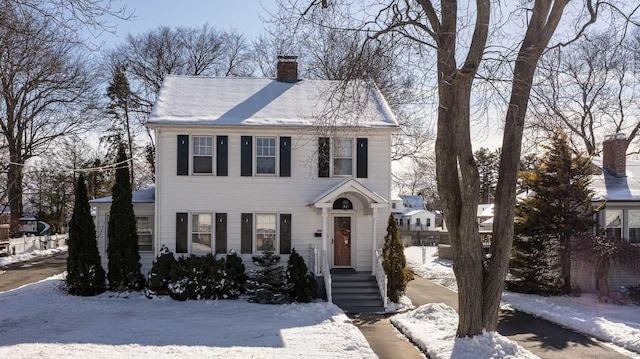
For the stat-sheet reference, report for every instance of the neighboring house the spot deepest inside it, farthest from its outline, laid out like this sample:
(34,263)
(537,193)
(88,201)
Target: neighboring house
(254,164)
(412,214)
(616,187)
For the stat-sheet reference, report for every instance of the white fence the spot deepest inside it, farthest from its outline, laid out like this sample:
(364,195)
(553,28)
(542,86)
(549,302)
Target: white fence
(31,243)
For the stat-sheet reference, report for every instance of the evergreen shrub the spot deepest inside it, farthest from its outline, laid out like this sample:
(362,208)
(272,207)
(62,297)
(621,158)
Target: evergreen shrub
(270,284)
(634,294)
(394,262)
(196,277)
(85,275)
(304,285)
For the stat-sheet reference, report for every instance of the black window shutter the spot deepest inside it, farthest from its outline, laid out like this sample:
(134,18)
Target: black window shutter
(183,155)
(323,156)
(285,233)
(285,156)
(246,166)
(246,235)
(362,160)
(222,150)
(221,233)
(182,228)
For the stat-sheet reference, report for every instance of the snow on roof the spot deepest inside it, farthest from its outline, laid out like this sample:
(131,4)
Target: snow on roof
(147,195)
(485,210)
(611,188)
(414,202)
(191,100)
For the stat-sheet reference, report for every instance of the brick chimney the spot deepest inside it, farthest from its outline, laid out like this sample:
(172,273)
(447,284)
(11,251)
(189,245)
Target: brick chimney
(614,154)
(287,69)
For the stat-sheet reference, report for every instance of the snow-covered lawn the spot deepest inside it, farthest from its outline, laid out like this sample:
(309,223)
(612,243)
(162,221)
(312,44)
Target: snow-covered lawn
(41,321)
(618,324)
(38,253)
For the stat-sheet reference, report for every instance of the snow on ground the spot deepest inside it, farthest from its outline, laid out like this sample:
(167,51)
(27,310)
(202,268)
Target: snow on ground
(618,324)
(23,257)
(40,320)
(433,328)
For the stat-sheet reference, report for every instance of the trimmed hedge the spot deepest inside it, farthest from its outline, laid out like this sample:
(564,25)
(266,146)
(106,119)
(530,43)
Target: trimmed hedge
(196,277)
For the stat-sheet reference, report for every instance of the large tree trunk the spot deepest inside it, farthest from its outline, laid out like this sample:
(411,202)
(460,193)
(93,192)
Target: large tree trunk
(456,171)
(544,20)
(481,279)
(14,188)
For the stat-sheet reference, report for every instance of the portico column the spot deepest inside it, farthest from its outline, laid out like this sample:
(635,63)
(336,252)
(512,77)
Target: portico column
(325,215)
(374,221)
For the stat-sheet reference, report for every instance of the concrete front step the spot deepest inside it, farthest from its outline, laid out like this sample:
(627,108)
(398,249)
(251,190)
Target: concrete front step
(356,292)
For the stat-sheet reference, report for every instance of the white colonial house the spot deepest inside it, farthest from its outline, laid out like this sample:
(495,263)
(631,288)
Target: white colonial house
(255,164)
(412,214)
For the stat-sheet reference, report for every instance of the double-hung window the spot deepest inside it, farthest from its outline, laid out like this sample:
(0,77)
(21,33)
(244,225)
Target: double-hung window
(613,223)
(634,226)
(265,232)
(202,154)
(201,233)
(266,155)
(144,227)
(343,157)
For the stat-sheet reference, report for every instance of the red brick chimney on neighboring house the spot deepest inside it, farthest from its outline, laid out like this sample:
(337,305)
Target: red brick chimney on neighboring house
(614,154)
(287,69)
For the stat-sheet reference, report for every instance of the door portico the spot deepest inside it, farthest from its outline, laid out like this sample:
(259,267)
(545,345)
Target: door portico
(334,211)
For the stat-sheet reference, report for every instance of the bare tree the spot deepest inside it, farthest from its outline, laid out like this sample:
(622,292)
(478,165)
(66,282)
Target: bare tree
(72,16)
(588,90)
(330,52)
(459,37)
(46,92)
(152,55)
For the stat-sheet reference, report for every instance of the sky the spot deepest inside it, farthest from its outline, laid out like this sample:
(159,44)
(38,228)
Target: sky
(243,15)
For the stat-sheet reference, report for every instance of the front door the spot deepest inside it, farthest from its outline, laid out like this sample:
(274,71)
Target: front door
(341,241)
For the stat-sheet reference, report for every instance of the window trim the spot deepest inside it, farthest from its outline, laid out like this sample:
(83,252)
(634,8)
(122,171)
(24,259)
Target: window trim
(276,156)
(151,223)
(629,227)
(211,233)
(192,155)
(276,244)
(333,150)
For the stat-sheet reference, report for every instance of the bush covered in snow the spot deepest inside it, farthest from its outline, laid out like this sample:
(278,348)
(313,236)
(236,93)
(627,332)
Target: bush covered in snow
(196,277)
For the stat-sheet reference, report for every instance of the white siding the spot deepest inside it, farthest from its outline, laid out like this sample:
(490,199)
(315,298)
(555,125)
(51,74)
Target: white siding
(234,194)
(101,222)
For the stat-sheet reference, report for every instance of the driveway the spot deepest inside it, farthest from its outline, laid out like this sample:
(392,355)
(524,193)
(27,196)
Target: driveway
(541,337)
(18,274)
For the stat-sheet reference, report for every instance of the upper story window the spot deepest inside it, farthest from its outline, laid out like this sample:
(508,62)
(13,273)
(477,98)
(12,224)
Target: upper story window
(202,154)
(343,157)
(266,155)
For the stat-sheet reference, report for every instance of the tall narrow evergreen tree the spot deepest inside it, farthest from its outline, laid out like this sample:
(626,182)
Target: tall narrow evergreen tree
(85,275)
(559,208)
(394,262)
(124,257)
